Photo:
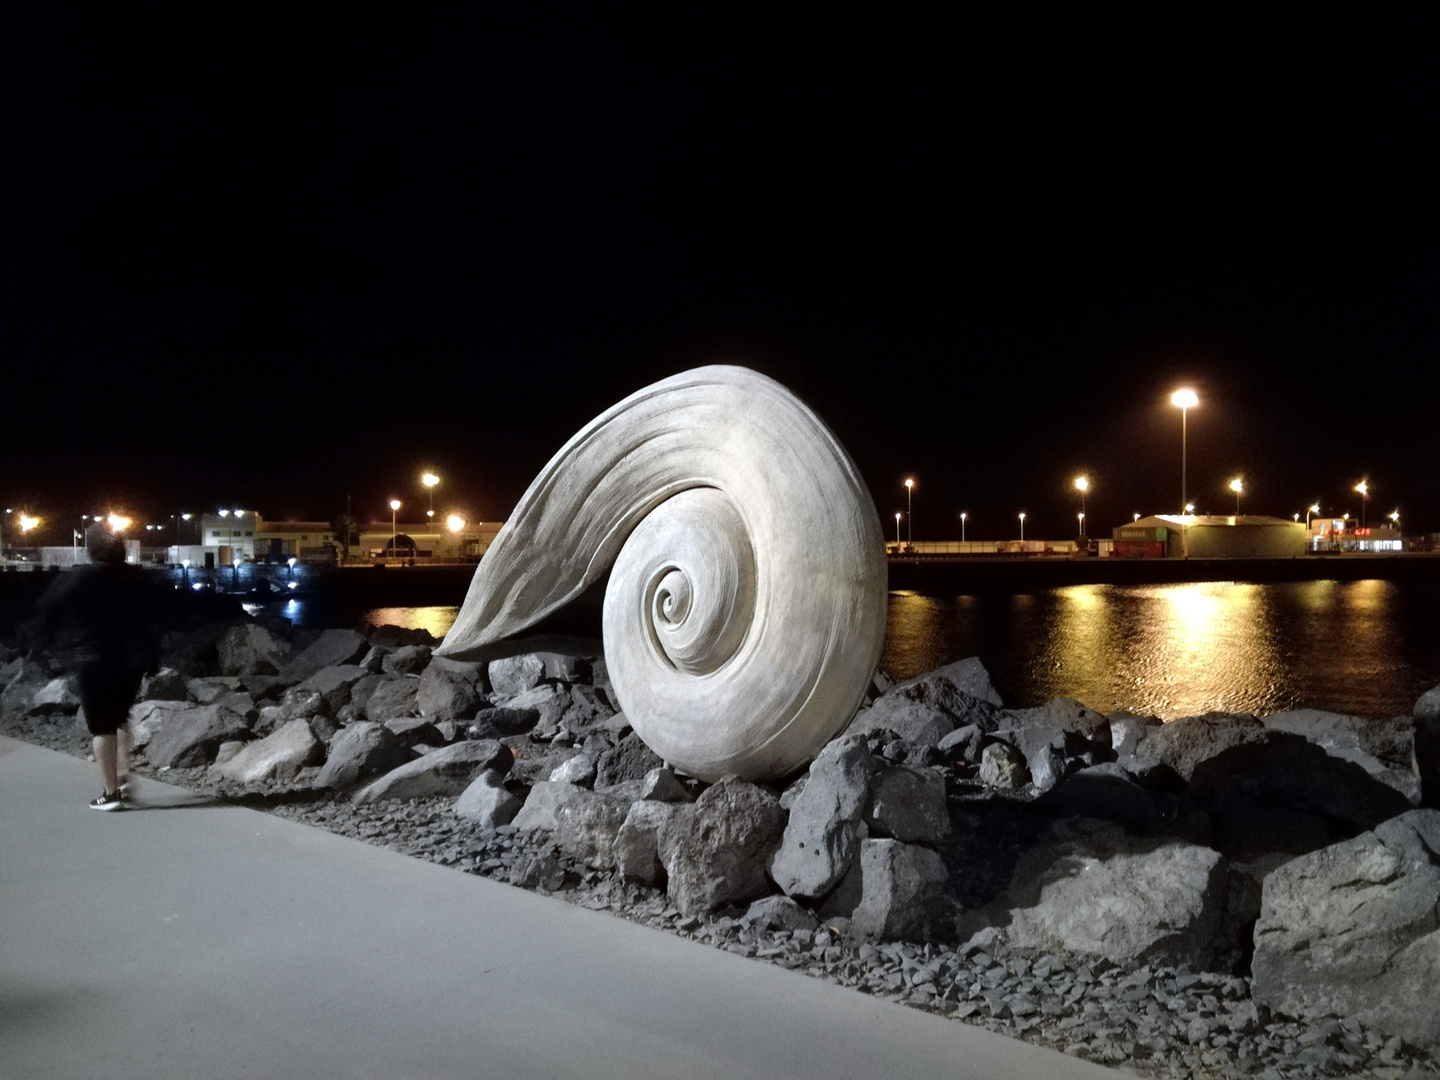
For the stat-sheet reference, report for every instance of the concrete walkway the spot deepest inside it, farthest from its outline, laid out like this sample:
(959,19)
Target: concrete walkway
(200,942)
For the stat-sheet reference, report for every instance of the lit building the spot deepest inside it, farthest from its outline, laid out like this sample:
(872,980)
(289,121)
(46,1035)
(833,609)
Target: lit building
(1345,534)
(1210,536)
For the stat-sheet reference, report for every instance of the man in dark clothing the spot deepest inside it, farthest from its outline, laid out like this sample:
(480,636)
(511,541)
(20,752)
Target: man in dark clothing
(102,622)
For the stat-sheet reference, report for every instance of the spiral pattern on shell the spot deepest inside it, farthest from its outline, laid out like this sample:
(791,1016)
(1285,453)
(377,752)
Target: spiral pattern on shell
(745,607)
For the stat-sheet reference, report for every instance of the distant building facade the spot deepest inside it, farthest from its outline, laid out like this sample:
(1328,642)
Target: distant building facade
(1210,536)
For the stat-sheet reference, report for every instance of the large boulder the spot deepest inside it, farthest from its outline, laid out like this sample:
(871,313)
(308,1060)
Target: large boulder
(406,660)
(276,757)
(902,892)
(715,849)
(1280,771)
(393,698)
(334,684)
(629,759)
(189,738)
(357,752)
(1427,747)
(583,823)
(25,681)
(252,650)
(331,649)
(487,802)
(167,684)
(908,803)
(513,675)
(1089,888)
(1183,744)
(447,771)
(823,833)
(451,689)
(1353,930)
(925,709)
(57,695)
(1382,747)
(147,717)
(637,844)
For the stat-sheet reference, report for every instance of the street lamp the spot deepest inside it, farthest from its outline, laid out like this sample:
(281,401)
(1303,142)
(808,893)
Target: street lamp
(1022,527)
(394,506)
(1313,508)
(897,528)
(1236,486)
(962,526)
(1364,489)
(1081,516)
(1082,483)
(430,480)
(909,522)
(1184,400)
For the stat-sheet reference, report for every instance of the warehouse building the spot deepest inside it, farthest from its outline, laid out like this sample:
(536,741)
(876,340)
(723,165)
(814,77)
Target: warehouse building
(1210,536)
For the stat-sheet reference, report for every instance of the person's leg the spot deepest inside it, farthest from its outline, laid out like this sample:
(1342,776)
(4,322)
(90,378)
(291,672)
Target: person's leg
(105,753)
(122,755)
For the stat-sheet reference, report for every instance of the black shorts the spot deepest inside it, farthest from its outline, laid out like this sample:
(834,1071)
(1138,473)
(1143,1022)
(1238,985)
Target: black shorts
(106,692)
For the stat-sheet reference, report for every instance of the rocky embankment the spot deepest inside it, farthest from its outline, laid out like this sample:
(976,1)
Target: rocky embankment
(1224,895)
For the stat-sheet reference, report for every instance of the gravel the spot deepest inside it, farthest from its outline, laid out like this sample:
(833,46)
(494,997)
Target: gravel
(1149,1021)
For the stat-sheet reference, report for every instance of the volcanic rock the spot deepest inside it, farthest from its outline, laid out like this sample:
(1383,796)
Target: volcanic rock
(188,738)
(357,752)
(822,835)
(1354,930)
(446,771)
(715,849)
(487,802)
(902,892)
(276,757)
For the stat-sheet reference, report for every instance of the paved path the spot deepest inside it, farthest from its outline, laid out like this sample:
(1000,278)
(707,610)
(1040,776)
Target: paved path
(202,942)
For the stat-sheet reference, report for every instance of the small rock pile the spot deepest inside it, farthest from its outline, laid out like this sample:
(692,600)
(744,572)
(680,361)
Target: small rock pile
(1222,896)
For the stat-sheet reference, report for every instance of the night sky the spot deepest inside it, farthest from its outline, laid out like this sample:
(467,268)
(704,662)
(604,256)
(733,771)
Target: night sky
(274,260)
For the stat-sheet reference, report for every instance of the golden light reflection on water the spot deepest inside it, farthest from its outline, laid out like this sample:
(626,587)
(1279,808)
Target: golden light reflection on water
(1170,650)
(437,620)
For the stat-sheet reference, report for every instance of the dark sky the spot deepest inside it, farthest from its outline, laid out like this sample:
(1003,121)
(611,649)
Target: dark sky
(276,260)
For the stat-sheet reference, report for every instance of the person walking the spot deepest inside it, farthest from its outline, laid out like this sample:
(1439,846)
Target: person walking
(101,622)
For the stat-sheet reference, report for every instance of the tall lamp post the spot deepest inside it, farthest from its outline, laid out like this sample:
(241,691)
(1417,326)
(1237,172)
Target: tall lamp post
(1313,508)
(1237,486)
(909,521)
(1082,484)
(430,480)
(394,506)
(897,528)
(1022,527)
(962,526)
(1364,489)
(1184,400)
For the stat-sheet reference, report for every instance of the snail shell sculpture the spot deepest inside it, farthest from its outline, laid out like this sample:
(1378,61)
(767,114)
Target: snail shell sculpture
(745,608)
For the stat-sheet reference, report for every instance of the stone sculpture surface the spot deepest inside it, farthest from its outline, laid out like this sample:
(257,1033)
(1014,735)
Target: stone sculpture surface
(745,607)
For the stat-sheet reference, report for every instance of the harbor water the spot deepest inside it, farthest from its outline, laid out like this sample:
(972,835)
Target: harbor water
(1367,648)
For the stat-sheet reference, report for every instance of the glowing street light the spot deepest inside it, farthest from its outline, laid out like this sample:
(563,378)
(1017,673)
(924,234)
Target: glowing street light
(1082,484)
(430,480)
(1022,527)
(1189,508)
(909,522)
(1236,486)
(1184,400)
(1081,516)
(394,506)
(1313,508)
(455,523)
(897,528)
(1364,489)
(962,526)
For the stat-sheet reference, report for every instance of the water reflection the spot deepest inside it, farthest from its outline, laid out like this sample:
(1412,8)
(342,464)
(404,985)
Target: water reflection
(437,620)
(1181,650)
